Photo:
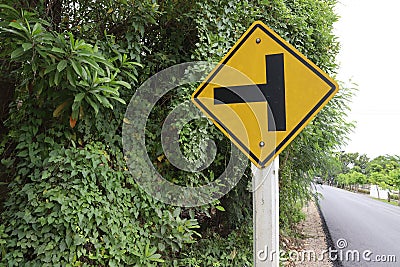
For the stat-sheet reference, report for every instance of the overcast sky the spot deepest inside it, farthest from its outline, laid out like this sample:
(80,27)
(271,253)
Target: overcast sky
(370,42)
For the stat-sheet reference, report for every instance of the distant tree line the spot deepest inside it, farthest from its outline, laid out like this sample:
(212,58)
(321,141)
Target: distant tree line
(351,170)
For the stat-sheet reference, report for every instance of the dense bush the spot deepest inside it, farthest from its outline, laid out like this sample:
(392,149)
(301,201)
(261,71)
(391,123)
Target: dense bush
(72,66)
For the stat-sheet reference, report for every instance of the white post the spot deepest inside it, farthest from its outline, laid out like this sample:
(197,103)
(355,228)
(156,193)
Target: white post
(266,215)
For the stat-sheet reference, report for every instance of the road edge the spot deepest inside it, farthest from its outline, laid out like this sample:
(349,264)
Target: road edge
(329,241)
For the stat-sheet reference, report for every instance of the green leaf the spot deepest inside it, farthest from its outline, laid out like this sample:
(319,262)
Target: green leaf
(220,208)
(79,97)
(132,76)
(151,251)
(86,74)
(62,246)
(34,65)
(109,90)
(102,80)
(125,84)
(85,84)
(16,33)
(90,62)
(61,65)
(156,258)
(37,29)
(81,45)
(93,104)
(146,250)
(16,14)
(119,100)
(177,212)
(17,25)
(71,40)
(41,51)
(27,46)
(104,101)
(17,53)
(50,68)
(57,77)
(78,240)
(71,77)
(22,154)
(58,50)
(77,67)
(161,246)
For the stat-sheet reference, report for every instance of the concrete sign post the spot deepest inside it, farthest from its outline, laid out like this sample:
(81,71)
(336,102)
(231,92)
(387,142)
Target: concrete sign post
(266,215)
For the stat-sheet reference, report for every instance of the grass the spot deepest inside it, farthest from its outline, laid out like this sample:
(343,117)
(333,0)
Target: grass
(394,203)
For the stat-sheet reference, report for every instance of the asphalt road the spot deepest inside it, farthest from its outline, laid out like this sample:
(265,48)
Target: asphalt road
(361,226)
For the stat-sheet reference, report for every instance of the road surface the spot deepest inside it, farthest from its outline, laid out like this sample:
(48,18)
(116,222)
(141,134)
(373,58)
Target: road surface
(366,232)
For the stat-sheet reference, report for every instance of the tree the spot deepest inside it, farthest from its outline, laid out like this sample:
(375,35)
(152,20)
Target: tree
(348,161)
(395,179)
(333,168)
(342,179)
(352,179)
(72,65)
(379,170)
(357,178)
(351,162)
(383,164)
(362,162)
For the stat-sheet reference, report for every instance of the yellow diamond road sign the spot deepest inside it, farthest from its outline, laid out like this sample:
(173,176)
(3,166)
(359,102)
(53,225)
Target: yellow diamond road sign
(263,93)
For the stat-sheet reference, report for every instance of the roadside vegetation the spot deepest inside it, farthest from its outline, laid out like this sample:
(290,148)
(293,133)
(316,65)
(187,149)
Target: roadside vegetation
(357,172)
(69,67)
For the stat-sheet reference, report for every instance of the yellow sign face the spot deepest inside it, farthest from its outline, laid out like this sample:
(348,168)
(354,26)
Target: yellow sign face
(263,93)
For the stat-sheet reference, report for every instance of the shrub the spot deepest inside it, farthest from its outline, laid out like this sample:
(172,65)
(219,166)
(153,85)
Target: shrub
(71,199)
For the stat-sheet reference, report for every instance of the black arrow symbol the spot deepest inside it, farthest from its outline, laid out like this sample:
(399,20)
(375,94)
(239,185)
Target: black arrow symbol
(273,91)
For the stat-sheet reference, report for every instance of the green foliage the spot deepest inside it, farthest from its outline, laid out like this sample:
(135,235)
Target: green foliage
(395,177)
(233,250)
(78,204)
(72,200)
(147,256)
(3,241)
(351,178)
(358,169)
(310,155)
(56,67)
(383,171)
(308,26)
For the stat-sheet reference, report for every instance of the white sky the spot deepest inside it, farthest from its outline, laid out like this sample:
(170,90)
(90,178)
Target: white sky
(369,33)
